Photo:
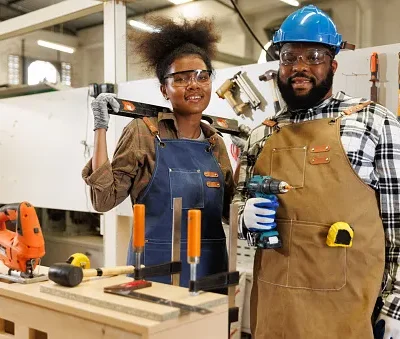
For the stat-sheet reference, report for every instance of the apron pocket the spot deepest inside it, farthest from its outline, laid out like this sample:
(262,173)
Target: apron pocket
(288,164)
(305,260)
(188,185)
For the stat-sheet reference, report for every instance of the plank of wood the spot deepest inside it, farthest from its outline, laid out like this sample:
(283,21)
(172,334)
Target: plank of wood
(91,292)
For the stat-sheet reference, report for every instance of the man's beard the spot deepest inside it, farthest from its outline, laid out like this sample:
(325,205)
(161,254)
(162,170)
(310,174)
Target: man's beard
(316,94)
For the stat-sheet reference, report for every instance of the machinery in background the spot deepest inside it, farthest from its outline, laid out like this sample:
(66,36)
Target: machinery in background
(230,86)
(262,187)
(270,76)
(21,250)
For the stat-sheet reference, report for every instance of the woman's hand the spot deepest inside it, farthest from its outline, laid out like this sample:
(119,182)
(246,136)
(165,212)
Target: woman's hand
(100,109)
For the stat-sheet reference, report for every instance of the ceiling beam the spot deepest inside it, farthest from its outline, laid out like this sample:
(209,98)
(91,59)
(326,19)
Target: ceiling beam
(52,15)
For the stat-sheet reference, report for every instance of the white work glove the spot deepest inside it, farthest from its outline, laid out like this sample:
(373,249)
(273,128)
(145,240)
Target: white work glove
(391,328)
(259,213)
(100,109)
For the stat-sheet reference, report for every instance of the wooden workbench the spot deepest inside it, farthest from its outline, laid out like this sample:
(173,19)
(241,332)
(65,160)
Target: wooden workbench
(28,313)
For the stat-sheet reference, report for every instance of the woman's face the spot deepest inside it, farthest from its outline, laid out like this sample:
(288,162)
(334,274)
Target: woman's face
(188,90)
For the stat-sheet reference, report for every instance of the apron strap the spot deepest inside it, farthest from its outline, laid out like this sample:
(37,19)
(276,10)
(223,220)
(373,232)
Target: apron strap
(356,108)
(153,129)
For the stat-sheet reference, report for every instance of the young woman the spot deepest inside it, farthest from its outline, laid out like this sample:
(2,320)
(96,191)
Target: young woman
(188,160)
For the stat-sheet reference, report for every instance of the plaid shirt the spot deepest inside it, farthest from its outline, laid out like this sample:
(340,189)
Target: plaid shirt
(371,139)
(134,161)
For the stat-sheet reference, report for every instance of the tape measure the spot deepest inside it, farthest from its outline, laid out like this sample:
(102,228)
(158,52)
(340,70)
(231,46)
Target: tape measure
(79,260)
(340,234)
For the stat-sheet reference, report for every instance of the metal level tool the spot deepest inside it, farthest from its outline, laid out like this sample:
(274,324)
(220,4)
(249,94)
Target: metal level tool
(184,309)
(176,237)
(233,239)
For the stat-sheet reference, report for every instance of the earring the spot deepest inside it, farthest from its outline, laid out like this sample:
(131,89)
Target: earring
(166,98)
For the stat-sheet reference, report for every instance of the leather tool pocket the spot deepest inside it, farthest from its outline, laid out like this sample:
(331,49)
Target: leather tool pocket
(305,260)
(188,185)
(288,164)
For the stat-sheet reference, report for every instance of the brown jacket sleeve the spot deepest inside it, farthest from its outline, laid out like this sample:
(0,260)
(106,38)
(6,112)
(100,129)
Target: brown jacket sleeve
(111,183)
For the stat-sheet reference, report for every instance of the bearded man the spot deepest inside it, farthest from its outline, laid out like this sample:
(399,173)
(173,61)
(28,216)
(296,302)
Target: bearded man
(341,155)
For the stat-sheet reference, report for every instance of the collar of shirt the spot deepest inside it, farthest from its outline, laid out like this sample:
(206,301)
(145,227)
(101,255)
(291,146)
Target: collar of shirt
(209,131)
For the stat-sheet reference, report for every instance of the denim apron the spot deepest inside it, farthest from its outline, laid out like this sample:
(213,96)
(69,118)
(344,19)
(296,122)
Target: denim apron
(186,169)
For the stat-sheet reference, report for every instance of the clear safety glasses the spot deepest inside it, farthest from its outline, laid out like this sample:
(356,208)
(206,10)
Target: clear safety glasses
(309,57)
(182,79)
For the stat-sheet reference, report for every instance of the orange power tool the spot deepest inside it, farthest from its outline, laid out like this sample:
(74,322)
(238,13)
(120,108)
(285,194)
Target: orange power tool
(21,250)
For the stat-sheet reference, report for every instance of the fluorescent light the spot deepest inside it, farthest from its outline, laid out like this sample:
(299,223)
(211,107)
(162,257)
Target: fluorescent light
(143,26)
(58,47)
(291,2)
(179,2)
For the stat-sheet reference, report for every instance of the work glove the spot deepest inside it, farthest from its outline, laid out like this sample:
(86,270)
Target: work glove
(239,142)
(259,213)
(100,109)
(387,328)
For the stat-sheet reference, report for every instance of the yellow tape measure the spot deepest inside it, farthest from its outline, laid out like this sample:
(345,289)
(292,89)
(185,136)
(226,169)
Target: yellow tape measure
(340,234)
(79,260)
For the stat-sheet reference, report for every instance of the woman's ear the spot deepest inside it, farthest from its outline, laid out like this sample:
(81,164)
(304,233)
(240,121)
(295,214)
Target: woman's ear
(164,92)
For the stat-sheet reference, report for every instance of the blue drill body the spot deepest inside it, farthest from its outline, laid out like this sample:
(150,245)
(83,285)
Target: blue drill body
(266,187)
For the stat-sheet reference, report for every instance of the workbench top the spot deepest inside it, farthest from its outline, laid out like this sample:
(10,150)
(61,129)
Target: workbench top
(66,302)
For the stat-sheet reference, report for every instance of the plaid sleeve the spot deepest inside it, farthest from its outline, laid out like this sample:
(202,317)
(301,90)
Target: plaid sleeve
(387,162)
(248,158)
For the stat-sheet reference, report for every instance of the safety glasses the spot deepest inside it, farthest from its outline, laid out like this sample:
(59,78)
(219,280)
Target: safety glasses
(183,79)
(309,57)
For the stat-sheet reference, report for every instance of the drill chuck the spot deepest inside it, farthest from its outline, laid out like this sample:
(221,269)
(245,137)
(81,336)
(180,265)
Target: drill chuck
(267,185)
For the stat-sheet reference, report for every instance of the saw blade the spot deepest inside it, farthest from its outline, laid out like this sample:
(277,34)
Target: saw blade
(184,309)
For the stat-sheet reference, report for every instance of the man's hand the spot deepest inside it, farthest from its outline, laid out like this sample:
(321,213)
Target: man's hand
(259,213)
(100,110)
(387,328)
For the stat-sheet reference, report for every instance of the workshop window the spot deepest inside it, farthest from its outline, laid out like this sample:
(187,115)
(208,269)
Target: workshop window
(14,70)
(66,73)
(40,71)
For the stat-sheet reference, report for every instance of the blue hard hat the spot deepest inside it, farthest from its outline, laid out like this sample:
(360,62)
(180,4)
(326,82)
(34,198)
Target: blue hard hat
(309,24)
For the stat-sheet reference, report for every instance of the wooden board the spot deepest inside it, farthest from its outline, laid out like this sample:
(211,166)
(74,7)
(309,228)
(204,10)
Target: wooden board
(91,292)
(60,318)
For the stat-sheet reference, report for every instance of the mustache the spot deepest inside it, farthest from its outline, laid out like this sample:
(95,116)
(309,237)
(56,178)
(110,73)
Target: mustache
(301,75)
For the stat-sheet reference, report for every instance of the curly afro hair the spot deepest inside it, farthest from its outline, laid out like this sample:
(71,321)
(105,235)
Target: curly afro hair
(171,41)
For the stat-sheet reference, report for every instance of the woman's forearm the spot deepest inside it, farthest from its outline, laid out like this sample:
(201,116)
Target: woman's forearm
(100,155)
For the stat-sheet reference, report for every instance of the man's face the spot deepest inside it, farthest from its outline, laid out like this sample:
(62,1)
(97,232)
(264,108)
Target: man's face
(305,74)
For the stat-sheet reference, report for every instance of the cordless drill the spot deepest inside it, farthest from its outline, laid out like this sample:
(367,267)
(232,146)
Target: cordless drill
(263,187)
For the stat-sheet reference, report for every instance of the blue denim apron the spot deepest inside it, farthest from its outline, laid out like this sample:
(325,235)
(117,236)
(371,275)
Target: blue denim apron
(182,170)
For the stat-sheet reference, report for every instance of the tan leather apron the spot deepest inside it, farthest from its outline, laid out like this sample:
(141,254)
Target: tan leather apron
(306,289)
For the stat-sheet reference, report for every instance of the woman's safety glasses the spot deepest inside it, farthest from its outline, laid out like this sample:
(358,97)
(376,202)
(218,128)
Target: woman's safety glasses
(182,79)
(309,57)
